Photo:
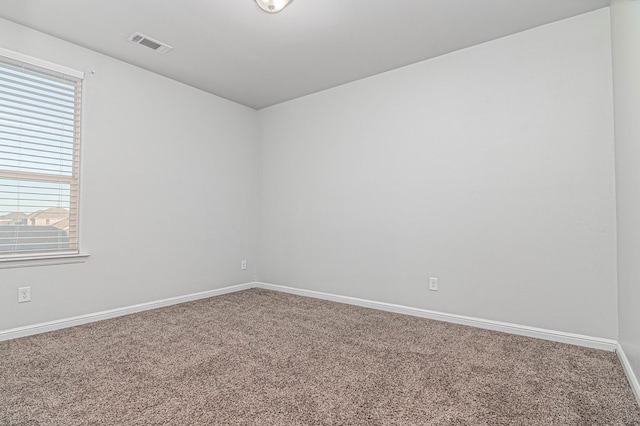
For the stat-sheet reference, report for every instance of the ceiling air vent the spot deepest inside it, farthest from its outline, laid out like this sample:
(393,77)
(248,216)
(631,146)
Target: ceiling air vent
(145,41)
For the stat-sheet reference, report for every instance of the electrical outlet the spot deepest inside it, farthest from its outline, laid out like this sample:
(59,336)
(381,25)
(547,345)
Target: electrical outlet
(243,264)
(433,283)
(24,294)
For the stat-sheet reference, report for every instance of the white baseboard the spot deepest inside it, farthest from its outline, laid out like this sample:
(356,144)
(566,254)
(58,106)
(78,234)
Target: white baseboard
(522,330)
(556,336)
(29,330)
(631,376)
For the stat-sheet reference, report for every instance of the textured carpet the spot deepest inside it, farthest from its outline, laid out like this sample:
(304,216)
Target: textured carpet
(266,358)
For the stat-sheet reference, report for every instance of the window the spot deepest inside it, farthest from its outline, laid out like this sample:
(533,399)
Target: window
(39,157)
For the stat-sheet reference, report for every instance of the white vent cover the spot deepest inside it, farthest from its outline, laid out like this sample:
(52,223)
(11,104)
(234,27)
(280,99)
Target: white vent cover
(152,44)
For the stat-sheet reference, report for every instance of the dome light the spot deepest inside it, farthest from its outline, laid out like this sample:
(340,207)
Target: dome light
(272,6)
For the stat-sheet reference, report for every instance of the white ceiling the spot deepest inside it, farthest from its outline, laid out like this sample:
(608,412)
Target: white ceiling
(232,49)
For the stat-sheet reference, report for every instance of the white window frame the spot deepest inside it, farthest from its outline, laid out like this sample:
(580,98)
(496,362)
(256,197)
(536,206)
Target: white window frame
(74,255)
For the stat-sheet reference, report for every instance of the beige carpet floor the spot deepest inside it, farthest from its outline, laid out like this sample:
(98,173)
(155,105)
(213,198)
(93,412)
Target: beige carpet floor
(259,357)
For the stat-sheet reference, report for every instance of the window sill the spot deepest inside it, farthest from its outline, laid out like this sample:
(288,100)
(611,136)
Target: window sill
(53,259)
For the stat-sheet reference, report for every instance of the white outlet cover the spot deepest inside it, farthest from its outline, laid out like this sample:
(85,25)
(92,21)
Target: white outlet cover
(24,294)
(433,283)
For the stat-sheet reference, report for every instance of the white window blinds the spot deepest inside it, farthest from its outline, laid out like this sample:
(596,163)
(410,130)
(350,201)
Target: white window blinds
(39,159)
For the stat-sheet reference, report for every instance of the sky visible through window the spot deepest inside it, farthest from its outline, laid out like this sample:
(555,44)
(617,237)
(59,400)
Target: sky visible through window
(20,196)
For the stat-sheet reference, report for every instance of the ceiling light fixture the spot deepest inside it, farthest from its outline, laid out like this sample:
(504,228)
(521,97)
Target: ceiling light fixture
(273,6)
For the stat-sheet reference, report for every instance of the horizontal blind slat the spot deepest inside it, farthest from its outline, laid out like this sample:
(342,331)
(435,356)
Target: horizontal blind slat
(63,146)
(32,85)
(34,120)
(36,106)
(24,155)
(31,73)
(63,151)
(62,140)
(64,102)
(10,109)
(67,133)
(43,170)
(29,153)
(27,190)
(6,121)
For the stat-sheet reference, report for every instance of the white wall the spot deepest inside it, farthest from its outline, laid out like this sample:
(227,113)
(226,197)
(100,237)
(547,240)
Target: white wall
(168,191)
(491,168)
(625,28)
